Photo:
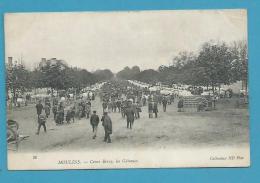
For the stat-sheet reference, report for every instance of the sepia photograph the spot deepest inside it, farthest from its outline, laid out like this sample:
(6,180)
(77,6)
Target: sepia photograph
(127,89)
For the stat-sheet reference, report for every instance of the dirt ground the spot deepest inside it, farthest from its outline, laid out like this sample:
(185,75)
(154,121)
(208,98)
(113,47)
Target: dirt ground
(226,126)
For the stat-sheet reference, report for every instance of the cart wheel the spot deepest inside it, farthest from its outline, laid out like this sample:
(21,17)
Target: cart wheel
(12,137)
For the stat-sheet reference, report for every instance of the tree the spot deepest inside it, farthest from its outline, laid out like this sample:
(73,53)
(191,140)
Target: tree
(135,70)
(128,73)
(81,78)
(239,63)
(180,70)
(17,80)
(182,59)
(148,76)
(103,75)
(55,75)
(214,61)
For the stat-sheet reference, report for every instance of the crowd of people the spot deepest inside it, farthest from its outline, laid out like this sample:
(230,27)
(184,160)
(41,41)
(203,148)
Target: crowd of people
(119,97)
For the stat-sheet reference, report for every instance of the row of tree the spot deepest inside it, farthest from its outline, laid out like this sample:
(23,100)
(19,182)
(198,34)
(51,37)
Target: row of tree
(53,74)
(215,64)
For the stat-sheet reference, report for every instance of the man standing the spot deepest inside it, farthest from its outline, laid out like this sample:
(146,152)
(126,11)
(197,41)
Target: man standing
(60,114)
(39,108)
(54,110)
(118,105)
(41,122)
(134,107)
(180,104)
(129,116)
(94,120)
(107,124)
(164,102)
(47,110)
(139,109)
(88,110)
(144,100)
(155,109)
(104,105)
(150,109)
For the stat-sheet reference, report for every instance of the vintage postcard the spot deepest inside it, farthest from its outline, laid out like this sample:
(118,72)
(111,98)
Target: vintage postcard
(137,89)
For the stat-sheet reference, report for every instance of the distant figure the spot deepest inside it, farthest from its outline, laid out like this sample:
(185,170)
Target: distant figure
(134,107)
(114,106)
(104,105)
(47,102)
(150,109)
(39,108)
(80,111)
(60,115)
(164,103)
(41,122)
(70,115)
(54,111)
(107,124)
(47,110)
(73,113)
(118,105)
(172,98)
(180,105)
(27,99)
(144,100)
(88,110)
(123,108)
(214,99)
(109,106)
(155,109)
(94,120)
(139,109)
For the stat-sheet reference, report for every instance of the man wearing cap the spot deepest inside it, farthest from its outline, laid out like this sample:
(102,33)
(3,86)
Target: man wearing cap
(94,120)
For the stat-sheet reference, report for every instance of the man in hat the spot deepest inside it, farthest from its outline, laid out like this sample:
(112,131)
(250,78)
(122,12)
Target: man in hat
(129,111)
(107,124)
(39,108)
(94,120)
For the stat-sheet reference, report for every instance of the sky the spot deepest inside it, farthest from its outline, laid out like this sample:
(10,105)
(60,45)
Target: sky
(113,40)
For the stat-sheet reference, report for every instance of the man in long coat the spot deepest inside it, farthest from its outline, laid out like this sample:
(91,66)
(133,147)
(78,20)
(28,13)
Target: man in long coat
(129,116)
(107,124)
(94,120)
